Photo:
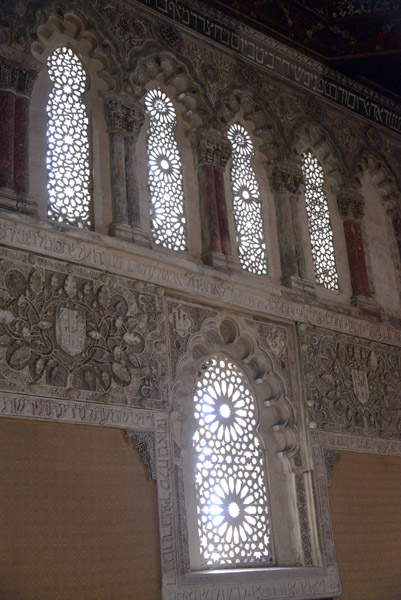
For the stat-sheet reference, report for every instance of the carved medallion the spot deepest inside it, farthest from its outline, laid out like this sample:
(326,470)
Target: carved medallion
(71,330)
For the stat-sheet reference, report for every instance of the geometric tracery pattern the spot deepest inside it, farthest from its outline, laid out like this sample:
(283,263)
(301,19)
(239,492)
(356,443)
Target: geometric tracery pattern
(69,180)
(230,482)
(320,231)
(165,174)
(246,203)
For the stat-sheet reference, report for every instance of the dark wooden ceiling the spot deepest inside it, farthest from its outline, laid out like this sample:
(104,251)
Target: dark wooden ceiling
(361,38)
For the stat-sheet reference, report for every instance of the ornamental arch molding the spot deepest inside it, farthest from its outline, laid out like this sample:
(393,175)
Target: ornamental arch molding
(156,65)
(305,136)
(239,103)
(60,28)
(234,338)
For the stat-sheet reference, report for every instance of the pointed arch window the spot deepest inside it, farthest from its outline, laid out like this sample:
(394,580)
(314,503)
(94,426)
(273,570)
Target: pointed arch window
(320,231)
(247,203)
(68,162)
(230,481)
(165,174)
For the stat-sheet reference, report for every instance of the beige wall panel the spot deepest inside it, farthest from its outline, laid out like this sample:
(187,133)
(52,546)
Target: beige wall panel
(365,496)
(78,515)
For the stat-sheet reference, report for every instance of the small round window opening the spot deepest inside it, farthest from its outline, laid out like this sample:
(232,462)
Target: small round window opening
(230,481)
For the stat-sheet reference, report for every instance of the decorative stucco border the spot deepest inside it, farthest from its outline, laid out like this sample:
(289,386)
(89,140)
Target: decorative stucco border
(322,442)
(115,256)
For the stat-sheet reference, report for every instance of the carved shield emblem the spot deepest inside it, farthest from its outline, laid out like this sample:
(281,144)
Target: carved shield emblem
(361,385)
(71,330)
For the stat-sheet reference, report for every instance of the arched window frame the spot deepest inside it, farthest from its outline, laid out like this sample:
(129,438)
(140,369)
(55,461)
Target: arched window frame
(189,179)
(233,339)
(327,278)
(95,65)
(333,182)
(235,185)
(59,114)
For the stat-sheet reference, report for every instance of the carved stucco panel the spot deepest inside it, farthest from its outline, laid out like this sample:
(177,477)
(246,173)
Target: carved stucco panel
(351,384)
(70,332)
(183,321)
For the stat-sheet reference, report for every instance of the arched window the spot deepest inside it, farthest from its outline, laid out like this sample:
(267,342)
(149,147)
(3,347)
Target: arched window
(231,495)
(320,231)
(246,203)
(69,180)
(165,174)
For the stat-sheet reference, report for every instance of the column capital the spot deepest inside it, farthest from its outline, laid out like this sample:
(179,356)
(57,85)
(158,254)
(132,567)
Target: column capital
(351,205)
(123,115)
(18,71)
(286,178)
(212,148)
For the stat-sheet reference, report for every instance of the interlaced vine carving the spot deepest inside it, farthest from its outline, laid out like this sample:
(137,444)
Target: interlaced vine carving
(164,174)
(67,141)
(246,203)
(61,332)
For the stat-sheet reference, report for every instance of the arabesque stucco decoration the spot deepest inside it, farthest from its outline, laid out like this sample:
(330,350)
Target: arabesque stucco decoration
(70,331)
(352,385)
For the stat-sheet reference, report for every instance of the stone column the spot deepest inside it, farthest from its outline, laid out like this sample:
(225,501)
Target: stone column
(351,208)
(124,120)
(212,152)
(17,75)
(286,180)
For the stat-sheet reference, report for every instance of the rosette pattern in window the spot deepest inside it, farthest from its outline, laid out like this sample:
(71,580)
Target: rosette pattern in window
(165,174)
(247,208)
(232,506)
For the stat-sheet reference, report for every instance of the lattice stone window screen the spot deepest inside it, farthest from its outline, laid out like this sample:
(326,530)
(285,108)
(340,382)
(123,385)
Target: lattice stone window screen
(320,231)
(68,164)
(230,482)
(246,203)
(165,174)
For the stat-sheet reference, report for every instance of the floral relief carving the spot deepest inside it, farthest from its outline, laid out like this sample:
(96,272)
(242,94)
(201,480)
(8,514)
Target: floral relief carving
(352,385)
(215,68)
(73,332)
(130,31)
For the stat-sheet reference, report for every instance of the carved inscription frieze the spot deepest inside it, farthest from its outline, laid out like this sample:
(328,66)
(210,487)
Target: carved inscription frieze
(352,385)
(78,333)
